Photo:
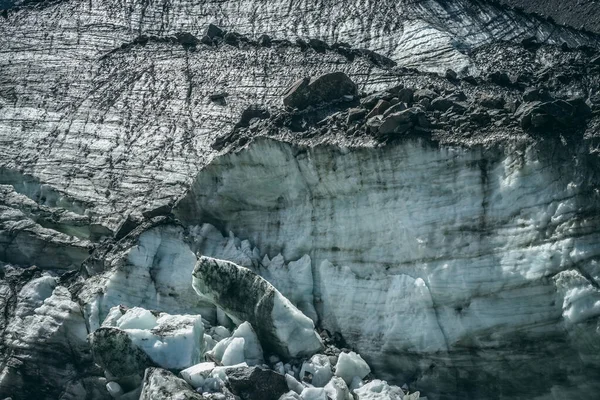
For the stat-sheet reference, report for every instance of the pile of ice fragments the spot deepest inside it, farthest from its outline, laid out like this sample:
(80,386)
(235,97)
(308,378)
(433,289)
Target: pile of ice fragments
(270,350)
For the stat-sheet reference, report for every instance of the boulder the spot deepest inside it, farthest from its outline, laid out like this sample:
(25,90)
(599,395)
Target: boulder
(318,45)
(394,109)
(536,94)
(253,383)
(186,39)
(246,296)
(213,31)
(114,351)
(451,74)
(405,95)
(379,108)
(398,122)
(372,99)
(500,78)
(160,384)
(441,104)
(355,114)
(264,41)
(490,101)
(322,89)
(424,94)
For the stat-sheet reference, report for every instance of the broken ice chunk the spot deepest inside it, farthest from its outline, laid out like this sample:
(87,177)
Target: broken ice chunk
(350,365)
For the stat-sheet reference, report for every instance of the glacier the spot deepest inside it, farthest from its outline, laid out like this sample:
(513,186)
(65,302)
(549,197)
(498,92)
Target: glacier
(431,233)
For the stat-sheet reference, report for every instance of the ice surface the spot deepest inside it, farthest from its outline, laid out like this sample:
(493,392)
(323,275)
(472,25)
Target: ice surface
(350,365)
(337,389)
(251,351)
(314,394)
(234,353)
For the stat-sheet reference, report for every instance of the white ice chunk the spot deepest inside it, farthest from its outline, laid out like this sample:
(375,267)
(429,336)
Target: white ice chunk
(293,384)
(320,369)
(220,333)
(177,342)
(209,343)
(234,353)
(137,318)
(337,389)
(356,383)
(290,396)
(350,365)
(114,389)
(314,394)
(221,372)
(380,390)
(252,351)
(197,374)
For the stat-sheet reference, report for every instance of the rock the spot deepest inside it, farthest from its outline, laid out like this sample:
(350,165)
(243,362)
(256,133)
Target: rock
(405,95)
(355,114)
(213,31)
(251,112)
(318,45)
(536,94)
(164,209)
(187,40)
(394,109)
(424,94)
(500,78)
(322,89)
(489,101)
(256,383)
(128,225)
(379,108)
(451,75)
(206,40)
(441,104)
(245,296)
(371,100)
(115,352)
(398,122)
(160,384)
(232,39)
(264,40)
(350,365)
(215,97)
(319,369)
(480,117)
(595,60)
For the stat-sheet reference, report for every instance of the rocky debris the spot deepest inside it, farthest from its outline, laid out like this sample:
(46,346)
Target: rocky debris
(115,352)
(280,326)
(550,115)
(157,211)
(355,115)
(256,383)
(322,89)
(379,108)
(264,41)
(160,384)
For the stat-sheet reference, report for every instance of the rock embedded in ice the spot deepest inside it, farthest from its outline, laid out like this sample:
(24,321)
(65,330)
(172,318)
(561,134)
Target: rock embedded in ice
(350,365)
(319,368)
(160,384)
(245,296)
(314,394)
(380,390)
(337,389)
(256,383)
(196,374)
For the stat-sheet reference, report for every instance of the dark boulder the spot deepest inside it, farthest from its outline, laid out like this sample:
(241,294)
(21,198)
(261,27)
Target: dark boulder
(491,101)
(318,45)
(232,38)
(157,211)
(395,108)
(187,40)
(252,112)
(451,75)
(355,114)
(500,78)
(536,94)
(264,41)
(322,89)
(405,95)
(549,115)
(256,383)
(441,104)
(399,122)
(213,31)
(424,94)
(372,99)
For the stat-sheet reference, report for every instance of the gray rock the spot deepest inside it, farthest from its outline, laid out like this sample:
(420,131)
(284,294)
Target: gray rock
(372,99)
(398,122)
(379,108)
(490,101)
(318,45)
(355,114)
(424,94)
(395,108)
(213,31)
(264,40)
(451,74)
(441,104)
(322,89)
(160,384)
(405,95)
(115,352)
(256,383)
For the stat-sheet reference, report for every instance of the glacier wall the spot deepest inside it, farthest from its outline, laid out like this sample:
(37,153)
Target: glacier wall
(457,269)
